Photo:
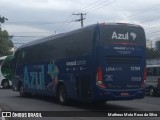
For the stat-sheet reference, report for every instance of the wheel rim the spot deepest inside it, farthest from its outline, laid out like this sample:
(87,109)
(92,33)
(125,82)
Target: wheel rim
(21,91)
(5,84)
(151,92)
(62,94)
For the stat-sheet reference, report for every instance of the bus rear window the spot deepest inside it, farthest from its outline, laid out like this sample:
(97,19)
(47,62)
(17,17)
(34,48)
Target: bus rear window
(118,34)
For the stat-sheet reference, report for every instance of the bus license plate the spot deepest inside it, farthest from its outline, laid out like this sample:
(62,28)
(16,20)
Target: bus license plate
(124,94)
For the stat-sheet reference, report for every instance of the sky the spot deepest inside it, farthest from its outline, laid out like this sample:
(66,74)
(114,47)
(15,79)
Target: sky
(29,20)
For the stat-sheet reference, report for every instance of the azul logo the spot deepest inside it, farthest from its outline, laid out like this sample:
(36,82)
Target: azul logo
(125,36)
(34,78)
(133,35)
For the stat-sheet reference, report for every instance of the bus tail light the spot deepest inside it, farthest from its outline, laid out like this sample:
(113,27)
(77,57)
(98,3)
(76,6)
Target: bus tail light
(144,78)
(99,79)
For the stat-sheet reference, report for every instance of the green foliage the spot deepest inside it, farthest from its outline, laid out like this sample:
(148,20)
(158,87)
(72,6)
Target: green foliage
(3,19)
(5,40)
(5,43)
(152,53)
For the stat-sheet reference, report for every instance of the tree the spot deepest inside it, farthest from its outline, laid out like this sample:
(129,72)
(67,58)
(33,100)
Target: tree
(5,40)
(152,53)
(5,43)
(3,19)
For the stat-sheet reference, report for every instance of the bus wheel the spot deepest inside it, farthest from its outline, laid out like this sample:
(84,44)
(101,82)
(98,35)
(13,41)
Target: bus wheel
(5,84)
(62,97)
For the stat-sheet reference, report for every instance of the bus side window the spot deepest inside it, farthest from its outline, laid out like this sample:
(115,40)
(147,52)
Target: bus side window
(1,61)
(153,71)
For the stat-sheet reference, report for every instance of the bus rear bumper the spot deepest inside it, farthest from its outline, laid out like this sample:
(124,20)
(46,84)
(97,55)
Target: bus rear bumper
(109,95)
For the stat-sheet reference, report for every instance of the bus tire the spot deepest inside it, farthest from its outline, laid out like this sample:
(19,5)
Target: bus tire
(5,84)
(62,96)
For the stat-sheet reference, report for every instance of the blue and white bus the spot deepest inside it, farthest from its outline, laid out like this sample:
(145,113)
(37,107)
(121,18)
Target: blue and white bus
(97,63)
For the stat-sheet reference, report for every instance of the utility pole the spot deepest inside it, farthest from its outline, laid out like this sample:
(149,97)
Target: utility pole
(81,18)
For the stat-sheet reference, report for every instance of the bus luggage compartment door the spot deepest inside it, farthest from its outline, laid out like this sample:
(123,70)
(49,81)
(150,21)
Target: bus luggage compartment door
(83,83)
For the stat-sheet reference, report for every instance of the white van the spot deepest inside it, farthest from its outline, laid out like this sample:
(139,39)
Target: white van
(5,83)
(153,80)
